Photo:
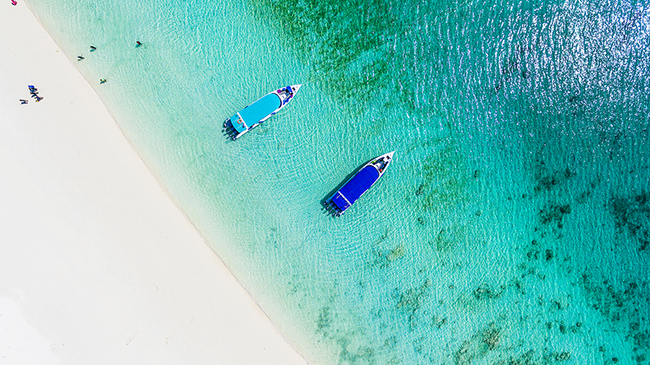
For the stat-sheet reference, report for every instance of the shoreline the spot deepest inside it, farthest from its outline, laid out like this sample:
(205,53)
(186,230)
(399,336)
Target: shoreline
(99,261)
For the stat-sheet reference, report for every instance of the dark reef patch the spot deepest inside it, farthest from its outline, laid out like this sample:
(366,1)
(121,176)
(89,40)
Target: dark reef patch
(383,237)
(485,291)
(632,216)
(547,179)
(396,253)
(531,357)
(411,300)
(383,258)
(625,306)
(527,358)
(478,346)
(551,218)
(349,352)
(587,194)
(438,322)
(444,180)
(554,214)
(536,252)
(361,355)
(324,321)
(561,356)
(447,238)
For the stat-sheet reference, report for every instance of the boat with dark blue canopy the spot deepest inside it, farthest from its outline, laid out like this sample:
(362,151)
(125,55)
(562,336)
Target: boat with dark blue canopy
(358,184)
(258,112)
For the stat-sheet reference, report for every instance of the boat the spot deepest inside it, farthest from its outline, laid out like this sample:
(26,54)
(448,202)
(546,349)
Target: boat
(358,184)
(258,112)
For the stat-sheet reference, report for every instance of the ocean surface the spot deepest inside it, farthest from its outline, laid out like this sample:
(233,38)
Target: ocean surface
(513,226)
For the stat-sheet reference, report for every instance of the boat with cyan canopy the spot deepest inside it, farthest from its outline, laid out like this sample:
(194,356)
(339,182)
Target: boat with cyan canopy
(354,188)
(258,112)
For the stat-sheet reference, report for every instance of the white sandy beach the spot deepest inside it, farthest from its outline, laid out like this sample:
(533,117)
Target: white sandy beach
(97,264)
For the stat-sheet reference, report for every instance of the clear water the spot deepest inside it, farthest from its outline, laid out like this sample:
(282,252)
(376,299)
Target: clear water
(513,226)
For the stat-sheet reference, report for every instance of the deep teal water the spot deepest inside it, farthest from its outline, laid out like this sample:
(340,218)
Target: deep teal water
(513,226)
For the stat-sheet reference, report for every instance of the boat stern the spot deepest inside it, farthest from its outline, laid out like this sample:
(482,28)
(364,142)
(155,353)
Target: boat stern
(235,126)
(337,204)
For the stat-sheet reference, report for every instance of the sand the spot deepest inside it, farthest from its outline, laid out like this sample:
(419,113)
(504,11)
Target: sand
(97,264)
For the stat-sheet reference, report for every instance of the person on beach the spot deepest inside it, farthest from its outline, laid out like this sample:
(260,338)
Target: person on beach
(14,3)
(92,48)
(79,58)
(23,101)
(38,98)
(33,91)
(102,80)
(138,44)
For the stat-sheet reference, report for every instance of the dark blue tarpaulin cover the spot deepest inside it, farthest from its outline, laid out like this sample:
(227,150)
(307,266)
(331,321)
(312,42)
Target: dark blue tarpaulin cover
(354,188)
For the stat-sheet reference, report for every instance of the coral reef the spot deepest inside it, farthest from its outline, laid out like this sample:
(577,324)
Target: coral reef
(625,307)
(632,216)
(478,345)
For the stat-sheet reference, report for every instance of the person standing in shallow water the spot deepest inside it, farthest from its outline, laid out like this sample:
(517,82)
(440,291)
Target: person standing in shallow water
(138,44)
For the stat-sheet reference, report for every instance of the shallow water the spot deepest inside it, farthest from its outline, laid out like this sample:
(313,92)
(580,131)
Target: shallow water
(513,226)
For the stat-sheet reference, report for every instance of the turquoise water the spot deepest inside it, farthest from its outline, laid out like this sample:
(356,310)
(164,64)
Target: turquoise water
(513,226)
